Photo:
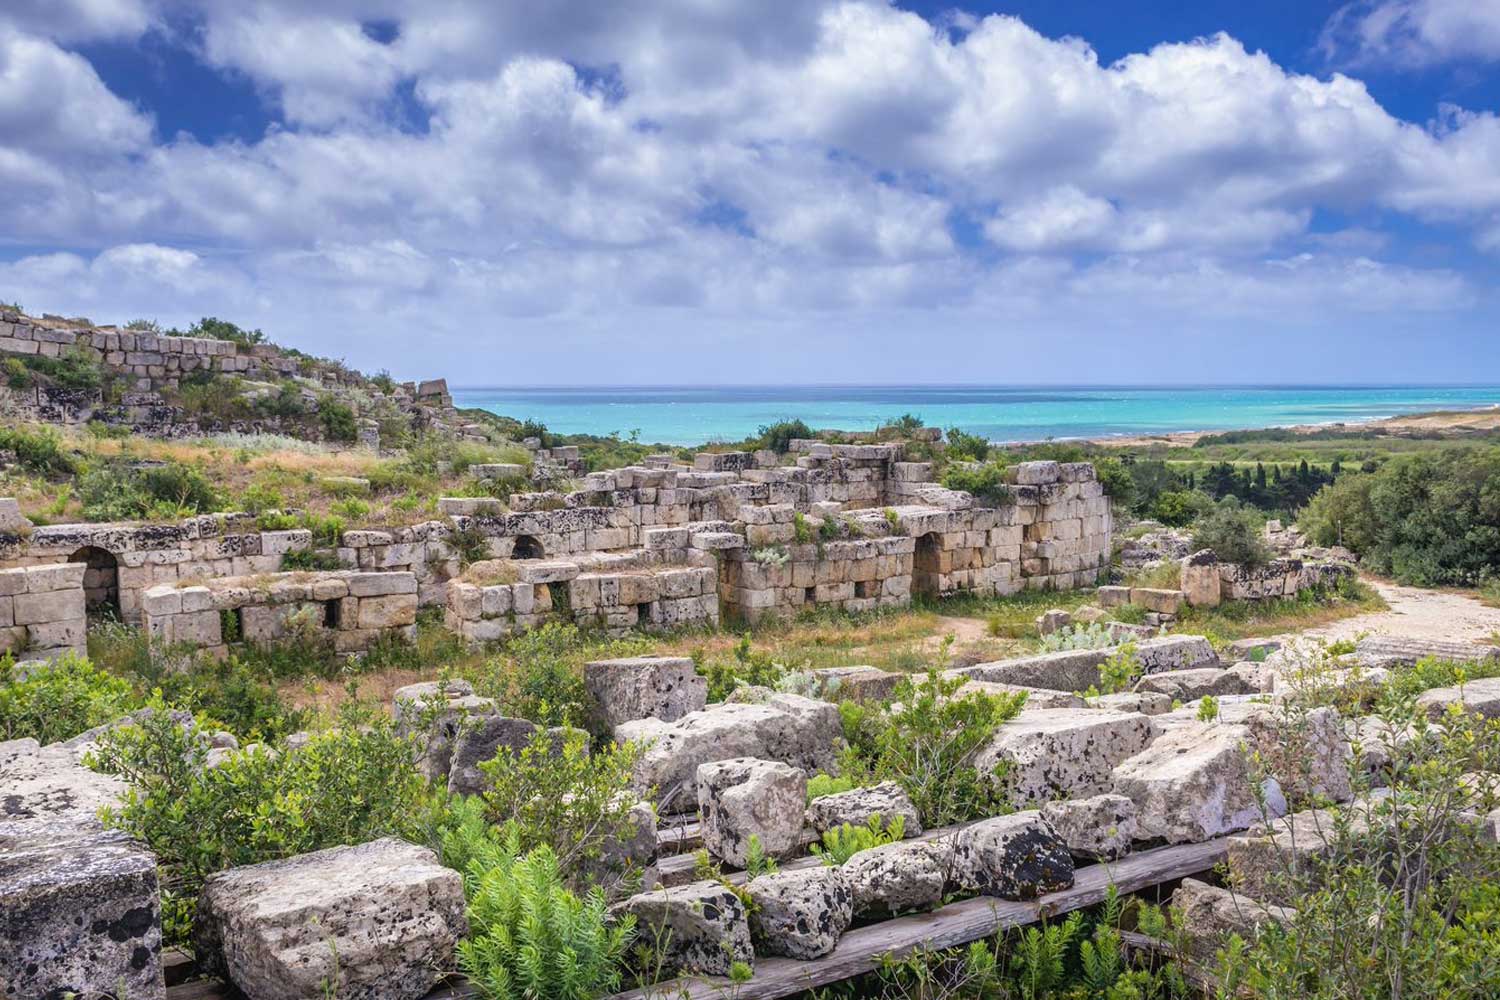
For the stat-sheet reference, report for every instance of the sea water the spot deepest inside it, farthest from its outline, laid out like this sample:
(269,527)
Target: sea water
(686,415)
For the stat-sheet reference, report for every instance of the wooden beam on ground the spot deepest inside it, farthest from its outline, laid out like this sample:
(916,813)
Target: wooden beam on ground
(860,950)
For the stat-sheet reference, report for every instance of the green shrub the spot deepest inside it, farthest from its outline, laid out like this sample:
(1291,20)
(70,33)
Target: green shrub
(1118,673)
(309,559)
(778,436)
(118,491)
(1233,531)
(1179,507)
(926,739)
(750,667)
(561,796)
(1085,636)
(17,375)
(76,368)
(346,786)
(338,420)
(530,938)
(60,700)
(1427,519)
(986,482)
(846,840)
(965,446)
(222,329)
(822,784)
(38,450)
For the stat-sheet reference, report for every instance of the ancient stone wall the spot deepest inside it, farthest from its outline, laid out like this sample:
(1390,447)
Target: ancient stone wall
(351,609)
(121,560)
(42,614)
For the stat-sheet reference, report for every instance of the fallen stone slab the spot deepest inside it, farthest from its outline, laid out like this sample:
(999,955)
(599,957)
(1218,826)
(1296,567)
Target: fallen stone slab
(46,796)
(856,683)
(80,917)
(741,798)
(896,878)
(1175,652)
(1014,857)
(1100,827)
(703,926)
(1479,697)
(1195,683)
(1067,670)
(1208,915)
(802,732)
(1195,783)
(1145,702)
(641,687)
(1059,753)
(800,914)
(377,921)
(1408,651)
(887,800)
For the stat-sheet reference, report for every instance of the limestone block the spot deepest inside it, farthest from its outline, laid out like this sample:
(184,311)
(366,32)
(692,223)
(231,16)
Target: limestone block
(887,800)
(49,606)
(1145,702)
(1208,915)
(856,683)
(62,576)
(800,914)
(1175,652)
(1035,473)
(896,878)
(1100,827)
(477,740)
(381,584)
(1014,857)
(703,926)
(742,798)
(276,543)
(662,687)
(1190,685)
(1477,697)
(391,611)
(1165,602)
(80,916)
(1065,752)
(1200,579)
(376,921)
(1194,783)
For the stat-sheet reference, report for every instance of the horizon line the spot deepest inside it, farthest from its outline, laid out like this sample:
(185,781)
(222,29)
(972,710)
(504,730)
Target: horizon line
(985,385)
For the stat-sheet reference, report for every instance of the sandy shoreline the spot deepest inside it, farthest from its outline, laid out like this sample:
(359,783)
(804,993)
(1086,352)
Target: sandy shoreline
(1485,418)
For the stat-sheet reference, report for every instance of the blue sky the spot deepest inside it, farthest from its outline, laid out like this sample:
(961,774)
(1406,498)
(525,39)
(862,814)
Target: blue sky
(699,191)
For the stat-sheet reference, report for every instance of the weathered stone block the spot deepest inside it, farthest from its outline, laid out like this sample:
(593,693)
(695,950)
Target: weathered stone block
(742,798)
(800,914)
(377,921)
(896,878)
(640,687)
(1063,752)
(1099,827)
(887,800)
(703,926)
(1013,857)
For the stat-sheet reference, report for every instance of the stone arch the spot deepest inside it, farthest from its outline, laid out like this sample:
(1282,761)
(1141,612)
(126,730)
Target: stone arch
(926,566)
(527,547)
(101,581)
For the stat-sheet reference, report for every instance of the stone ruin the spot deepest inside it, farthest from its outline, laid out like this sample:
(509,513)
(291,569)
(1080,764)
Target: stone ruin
(1094,780)
(42,611)
(736,536)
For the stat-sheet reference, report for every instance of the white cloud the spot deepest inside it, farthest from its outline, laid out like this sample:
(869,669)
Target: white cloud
(1413,33)
(612,177)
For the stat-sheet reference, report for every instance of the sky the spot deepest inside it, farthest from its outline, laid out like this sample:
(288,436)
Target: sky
(662,192)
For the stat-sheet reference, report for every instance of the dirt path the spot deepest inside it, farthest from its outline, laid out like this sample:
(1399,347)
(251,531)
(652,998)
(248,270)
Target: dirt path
(1419,614)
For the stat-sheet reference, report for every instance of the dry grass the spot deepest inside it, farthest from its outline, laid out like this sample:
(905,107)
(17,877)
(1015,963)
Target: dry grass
(1255,619)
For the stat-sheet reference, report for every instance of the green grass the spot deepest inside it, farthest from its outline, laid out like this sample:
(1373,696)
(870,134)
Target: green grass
(1252,619)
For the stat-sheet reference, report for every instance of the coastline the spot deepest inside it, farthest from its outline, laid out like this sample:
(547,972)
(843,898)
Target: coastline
(1478,419)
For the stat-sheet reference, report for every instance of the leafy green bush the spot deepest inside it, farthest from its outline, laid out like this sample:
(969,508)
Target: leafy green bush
(38,450)
(561,796)
(1179,507)
(118,491)
(1118,673)
(965,446)
(309,559)
(846,840)
(345,786)
(822,784)
(60,700)
(222,329)
(338,420)
(76,368)
(986,482)
(750,666)
(530,937)
(1233,531)
(926,738)
(1426,519)
(778,436)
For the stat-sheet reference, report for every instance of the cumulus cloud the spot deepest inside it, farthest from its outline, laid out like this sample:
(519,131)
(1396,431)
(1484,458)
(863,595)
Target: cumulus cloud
(704,165)
(1413,33)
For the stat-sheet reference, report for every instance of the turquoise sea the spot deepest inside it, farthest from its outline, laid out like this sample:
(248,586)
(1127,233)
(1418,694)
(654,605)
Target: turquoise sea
(688,415)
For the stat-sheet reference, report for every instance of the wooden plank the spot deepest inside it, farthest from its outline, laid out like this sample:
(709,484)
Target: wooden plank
(679,838)
(860,950)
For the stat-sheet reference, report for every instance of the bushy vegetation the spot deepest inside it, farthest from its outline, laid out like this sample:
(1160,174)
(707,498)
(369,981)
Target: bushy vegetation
(221,329)
(120,490)
(60,700)
(1233,531)
(846,840)
(986,481)
(1425,519)
(345,786)
(927,739)
(778,436)
(530,936)
(38,450)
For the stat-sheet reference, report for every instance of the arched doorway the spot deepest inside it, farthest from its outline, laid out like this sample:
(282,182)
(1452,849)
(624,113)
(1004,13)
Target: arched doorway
(926,566)
(101,581)
(527,547)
